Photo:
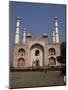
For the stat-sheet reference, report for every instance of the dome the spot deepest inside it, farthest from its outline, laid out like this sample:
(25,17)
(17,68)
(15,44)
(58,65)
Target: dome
(18,18)
(44,35)
(29,35)
(55,17)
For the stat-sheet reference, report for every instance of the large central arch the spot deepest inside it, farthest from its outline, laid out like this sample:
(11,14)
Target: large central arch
(36,55)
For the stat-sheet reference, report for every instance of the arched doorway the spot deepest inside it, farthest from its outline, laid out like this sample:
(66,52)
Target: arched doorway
(21,62)
(37,64)
(36,55)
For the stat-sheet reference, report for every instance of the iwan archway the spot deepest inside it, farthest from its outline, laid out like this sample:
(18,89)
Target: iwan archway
(36,55)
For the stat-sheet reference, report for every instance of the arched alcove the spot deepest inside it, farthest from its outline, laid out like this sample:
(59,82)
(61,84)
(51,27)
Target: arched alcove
(36,55)
(21,52)
(21,62)
(52,61)
(52,51)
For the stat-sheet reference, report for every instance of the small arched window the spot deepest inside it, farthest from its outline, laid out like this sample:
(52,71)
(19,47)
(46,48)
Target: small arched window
(21,52)
(37,52)
(51,51)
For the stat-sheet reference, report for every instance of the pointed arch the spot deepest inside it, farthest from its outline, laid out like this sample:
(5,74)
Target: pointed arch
(52,61)
(21,52)
(52,51)
(37,55)
(21,62)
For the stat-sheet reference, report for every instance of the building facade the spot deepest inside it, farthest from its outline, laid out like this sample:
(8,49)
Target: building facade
(36,51)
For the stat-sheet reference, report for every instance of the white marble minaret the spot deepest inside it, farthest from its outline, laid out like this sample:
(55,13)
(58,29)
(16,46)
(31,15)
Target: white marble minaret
(56,30)
(55,33)
(54,38)
(24,35)
(17,30)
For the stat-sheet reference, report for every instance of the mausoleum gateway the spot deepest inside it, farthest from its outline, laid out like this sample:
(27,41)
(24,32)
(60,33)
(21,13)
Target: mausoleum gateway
(36,51)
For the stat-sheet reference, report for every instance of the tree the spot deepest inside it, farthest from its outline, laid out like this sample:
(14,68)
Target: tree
(62,58)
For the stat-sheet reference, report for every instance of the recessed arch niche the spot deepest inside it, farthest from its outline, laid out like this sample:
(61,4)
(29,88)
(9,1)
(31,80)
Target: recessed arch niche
(21,52)
(52,61)
(36,55)
(52,51)
(21,62)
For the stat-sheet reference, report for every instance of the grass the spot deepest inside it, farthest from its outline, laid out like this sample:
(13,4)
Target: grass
(35,78)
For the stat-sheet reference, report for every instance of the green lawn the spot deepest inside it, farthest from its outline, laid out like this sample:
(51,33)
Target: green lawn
(35,78)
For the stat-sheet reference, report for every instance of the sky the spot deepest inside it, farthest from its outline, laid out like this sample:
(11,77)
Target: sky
(37,18)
